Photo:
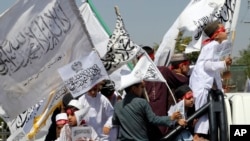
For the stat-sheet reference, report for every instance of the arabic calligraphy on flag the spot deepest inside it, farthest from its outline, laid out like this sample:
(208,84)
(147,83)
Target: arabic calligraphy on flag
(147,70)
(121,48)
(81,75)
(38,37)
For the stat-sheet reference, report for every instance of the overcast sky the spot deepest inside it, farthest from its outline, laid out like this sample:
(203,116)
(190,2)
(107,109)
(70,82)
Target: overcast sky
(148,20)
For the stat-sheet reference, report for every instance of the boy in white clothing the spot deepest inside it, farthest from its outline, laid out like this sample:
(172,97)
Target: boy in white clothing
(207,73)
(184,96)
(100,113)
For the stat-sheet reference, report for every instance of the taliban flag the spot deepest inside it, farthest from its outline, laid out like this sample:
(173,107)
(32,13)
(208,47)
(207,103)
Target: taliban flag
(145,70)
(81,75)
(199,13)
(37,38)
(121,49)
(193,19)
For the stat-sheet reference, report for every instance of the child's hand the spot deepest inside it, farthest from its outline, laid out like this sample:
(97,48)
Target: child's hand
(176,115)
(106,130)
(182,122)
(228,61)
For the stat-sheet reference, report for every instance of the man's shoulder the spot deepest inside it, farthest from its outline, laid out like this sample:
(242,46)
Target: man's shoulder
(139,100)
(163,68)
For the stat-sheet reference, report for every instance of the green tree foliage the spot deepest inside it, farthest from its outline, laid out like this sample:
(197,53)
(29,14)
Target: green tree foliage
(244,59)
(180,46)
(182,42)
(155,46)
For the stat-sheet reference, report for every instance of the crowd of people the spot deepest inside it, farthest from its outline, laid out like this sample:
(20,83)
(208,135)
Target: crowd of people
(103,115)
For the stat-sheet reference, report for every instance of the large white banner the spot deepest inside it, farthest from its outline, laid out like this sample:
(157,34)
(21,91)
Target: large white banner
(167,46)
(193,19)
(38,37)
(200,13)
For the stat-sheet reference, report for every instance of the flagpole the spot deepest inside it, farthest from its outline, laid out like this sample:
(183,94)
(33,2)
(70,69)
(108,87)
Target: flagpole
(146,94)
(171,92)
(99,17)
(104,25)
(129,64)
(233,31)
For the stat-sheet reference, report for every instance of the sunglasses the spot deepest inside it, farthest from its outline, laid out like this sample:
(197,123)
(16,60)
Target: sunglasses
(188,95)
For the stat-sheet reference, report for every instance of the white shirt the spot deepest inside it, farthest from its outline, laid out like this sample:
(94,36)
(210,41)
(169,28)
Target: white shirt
(207,69)
(100,112)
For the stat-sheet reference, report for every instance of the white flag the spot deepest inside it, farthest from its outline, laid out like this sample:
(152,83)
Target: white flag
(38,37)
(167,46)
(195,18)
(116,75)
(199,13)
(98,35)
(81,75)
(145,69)
(232,26)
(120,48)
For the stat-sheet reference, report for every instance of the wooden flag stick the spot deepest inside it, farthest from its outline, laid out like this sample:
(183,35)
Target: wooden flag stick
(171,92)
(117,11)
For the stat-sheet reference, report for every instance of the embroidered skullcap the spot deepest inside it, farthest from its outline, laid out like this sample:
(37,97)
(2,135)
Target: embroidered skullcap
(211,27)
(179,57)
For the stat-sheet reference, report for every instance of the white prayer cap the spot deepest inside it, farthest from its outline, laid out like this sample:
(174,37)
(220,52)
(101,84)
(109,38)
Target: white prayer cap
(61,118)
(179,57)
(128,79)
(75,103)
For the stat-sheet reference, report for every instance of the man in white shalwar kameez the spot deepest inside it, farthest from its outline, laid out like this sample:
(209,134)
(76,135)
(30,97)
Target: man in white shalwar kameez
(100,113)
(207,73)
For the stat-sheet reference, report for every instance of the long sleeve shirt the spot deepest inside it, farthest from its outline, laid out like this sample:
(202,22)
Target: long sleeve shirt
(133,114)
(100,112)
(207,69)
